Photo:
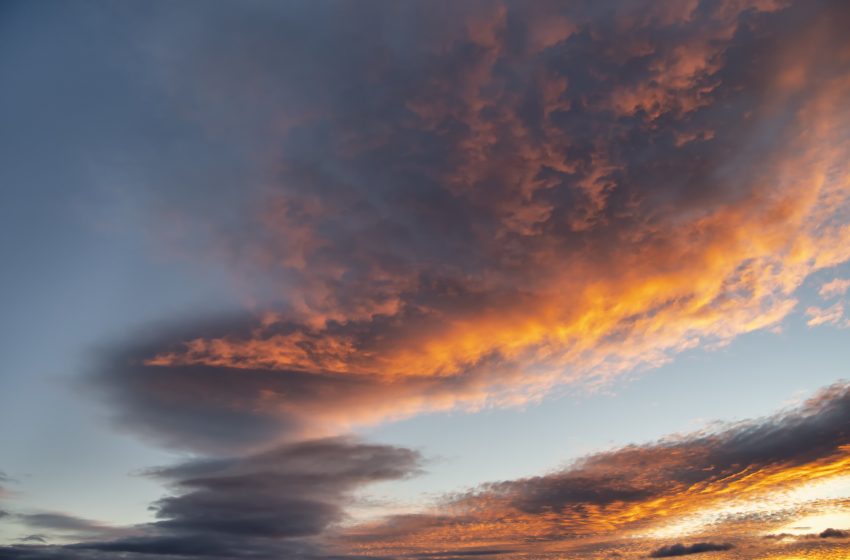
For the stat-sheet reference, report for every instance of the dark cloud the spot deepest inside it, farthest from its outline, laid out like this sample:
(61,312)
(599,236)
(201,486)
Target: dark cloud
(682,549)
(37,538)
(639,487)
(467,204)
(834,534)
(219,409)
(268,505)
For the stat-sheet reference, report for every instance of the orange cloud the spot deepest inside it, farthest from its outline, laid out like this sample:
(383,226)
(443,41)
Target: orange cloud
(740,484)
(521,236)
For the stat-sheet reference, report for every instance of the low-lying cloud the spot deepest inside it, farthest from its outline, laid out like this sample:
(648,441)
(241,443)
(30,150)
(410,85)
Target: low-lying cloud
(684,549)
(637,490)
(444,205)
(268,505)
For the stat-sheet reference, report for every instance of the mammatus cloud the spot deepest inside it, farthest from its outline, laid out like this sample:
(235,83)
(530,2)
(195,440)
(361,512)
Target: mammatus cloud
(506,199)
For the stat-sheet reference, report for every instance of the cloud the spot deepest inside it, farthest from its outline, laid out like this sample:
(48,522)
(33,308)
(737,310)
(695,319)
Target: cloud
(290,501)
(834,288)
(461,205)
(834,534)
(266,505)
(832,315)
(696,482)
(467,206)
(64,522)
(220,409)
(682,550)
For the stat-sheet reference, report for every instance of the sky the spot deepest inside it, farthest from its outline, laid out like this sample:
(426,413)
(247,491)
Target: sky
(425,280)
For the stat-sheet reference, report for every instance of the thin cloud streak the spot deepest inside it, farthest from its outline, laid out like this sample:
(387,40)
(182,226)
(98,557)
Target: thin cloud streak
(269,505)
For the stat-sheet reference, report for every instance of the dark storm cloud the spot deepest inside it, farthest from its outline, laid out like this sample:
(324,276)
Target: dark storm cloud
(683,549)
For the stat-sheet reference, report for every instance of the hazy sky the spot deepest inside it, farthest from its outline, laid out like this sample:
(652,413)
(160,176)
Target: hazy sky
(402,279)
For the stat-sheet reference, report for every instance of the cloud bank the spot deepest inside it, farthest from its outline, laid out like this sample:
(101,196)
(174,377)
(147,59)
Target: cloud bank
(459,205)
(682,549)
(636,491)
(261,506)
(469,205)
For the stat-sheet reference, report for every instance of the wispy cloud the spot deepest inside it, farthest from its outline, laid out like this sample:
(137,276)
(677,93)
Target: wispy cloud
(832,315)
(834,288)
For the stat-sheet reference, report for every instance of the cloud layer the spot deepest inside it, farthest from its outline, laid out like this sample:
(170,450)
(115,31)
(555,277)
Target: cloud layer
(268,505)
(442,205)
(733,483)
(466,206)
(729,487)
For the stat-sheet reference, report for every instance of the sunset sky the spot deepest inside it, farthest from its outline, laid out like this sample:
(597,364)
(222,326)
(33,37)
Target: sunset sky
(433,279)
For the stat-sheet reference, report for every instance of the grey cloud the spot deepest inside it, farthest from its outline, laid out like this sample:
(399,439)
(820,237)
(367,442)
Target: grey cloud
(268,505)
(682,549)
(417,176)
(62,522)
(662,471)
(36,538)
(834,534)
